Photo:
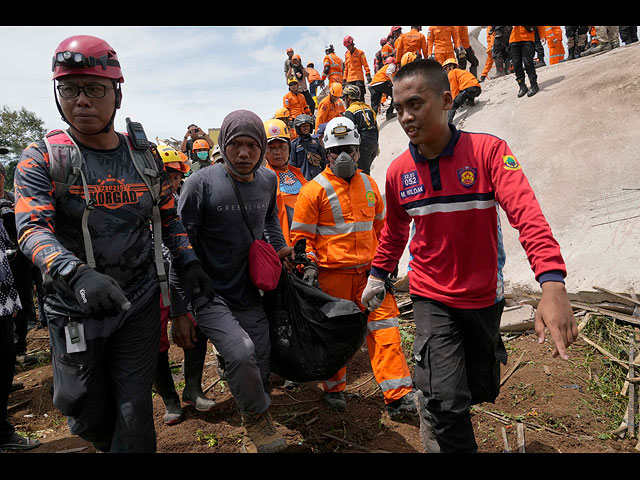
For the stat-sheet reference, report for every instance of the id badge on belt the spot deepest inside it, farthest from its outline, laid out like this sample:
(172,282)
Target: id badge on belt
(74,335)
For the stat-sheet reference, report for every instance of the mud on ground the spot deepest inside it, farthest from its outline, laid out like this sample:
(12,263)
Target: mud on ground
(551,397)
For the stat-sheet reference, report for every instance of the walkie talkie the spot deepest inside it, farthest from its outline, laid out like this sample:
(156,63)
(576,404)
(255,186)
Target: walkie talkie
(136,134)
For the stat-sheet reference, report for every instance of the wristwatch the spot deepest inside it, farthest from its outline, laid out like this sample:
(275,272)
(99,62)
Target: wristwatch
(68,270)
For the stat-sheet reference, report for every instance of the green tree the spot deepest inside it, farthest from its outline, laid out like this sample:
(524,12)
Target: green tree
(17,129)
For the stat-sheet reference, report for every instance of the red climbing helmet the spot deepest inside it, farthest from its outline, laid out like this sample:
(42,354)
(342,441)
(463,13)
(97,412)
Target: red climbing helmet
(86,55)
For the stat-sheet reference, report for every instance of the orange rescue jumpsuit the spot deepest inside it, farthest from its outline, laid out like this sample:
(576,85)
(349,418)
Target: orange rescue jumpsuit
(313,75)
(335,68)
(554,42)
(354,63)
(296,104)
(412,41)
(489,62)
(387,51)
(441,41)
(521,34)
(328,110)
(341,222)
(463,36)
(460,80)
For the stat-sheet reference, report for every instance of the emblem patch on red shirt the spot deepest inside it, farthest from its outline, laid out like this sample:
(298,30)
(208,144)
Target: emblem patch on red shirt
(510,162)
(467,176)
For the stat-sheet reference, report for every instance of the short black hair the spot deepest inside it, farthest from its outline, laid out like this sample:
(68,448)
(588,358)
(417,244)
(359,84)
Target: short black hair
(431,70)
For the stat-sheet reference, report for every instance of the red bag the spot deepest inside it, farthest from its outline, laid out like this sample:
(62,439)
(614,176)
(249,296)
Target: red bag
(265,266)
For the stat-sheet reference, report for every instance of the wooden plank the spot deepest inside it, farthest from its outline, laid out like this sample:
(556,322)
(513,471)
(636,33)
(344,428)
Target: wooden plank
(520,436)
(507,448)
(618,295)
(620,316)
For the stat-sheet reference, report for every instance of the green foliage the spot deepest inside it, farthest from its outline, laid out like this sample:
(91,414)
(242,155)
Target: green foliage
(607,376)
(210,439)
(18,128)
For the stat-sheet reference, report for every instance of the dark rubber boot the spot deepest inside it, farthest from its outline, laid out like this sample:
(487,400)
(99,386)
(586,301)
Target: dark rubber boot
(336,401)
(164,386)
(192,393)
(427,434)
(523,89)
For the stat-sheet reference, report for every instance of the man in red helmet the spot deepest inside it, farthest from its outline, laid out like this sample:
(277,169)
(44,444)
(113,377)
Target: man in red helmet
(85,198)
(356,66)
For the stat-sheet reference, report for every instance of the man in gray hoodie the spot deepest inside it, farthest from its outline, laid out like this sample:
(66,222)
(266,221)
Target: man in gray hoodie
(234,320)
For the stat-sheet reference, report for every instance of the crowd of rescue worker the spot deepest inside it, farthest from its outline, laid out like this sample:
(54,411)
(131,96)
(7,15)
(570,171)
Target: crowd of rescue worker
(115,291)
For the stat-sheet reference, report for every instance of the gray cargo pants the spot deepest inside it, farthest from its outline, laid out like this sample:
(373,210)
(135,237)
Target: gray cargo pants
(241,337)
(457,353)
(105,391)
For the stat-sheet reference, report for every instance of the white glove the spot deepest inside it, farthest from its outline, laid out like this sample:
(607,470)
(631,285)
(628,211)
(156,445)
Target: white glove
(374,293)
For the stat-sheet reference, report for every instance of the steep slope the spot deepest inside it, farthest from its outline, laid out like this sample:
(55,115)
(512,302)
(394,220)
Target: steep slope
(577,140)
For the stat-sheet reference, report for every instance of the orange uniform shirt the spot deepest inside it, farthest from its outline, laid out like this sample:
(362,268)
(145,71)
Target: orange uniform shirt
(354,63)
(328,110)
(461,79)
(441,40)
(412,41)
(334,63)
(463,36)
(340,220)
(296,104)
(521,34)
(313,75)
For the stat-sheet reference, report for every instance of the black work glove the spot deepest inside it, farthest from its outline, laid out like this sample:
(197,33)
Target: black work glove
(97,294)
(198,282)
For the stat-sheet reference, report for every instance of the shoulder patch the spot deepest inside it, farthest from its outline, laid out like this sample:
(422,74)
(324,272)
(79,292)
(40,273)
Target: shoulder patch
(510,162)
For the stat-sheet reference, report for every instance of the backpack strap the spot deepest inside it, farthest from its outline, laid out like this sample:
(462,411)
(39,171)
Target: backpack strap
(147,167)
(65,165)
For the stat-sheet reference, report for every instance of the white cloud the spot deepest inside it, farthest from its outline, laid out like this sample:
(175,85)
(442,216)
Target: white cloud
(177,75)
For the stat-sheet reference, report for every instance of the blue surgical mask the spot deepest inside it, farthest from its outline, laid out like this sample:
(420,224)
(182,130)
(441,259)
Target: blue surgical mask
(202,155)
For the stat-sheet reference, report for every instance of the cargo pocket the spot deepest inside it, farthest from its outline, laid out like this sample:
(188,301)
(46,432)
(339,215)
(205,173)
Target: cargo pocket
(424,377)
(71,371)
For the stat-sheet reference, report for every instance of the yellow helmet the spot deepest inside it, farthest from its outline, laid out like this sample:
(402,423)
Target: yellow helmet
(282,112)
(407,58)
(276,129)
(335,89)
(449,61)
(172,159)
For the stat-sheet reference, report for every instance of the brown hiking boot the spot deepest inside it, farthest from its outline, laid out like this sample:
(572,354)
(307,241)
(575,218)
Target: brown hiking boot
(260,435)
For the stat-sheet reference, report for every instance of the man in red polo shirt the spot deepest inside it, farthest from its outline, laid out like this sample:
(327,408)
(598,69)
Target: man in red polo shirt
(450,184)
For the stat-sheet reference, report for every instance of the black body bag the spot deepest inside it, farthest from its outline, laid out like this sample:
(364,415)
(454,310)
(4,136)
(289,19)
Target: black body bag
(312,333)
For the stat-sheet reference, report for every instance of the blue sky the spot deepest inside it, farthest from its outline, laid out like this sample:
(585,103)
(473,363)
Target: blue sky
(175,76)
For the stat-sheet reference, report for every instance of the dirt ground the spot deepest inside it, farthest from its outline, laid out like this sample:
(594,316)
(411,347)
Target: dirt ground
(548,395)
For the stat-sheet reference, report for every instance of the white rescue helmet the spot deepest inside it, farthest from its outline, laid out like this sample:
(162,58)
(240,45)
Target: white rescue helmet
(340,131)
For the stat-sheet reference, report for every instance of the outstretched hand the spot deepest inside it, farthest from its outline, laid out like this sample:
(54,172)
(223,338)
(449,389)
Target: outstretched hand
(554,313)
